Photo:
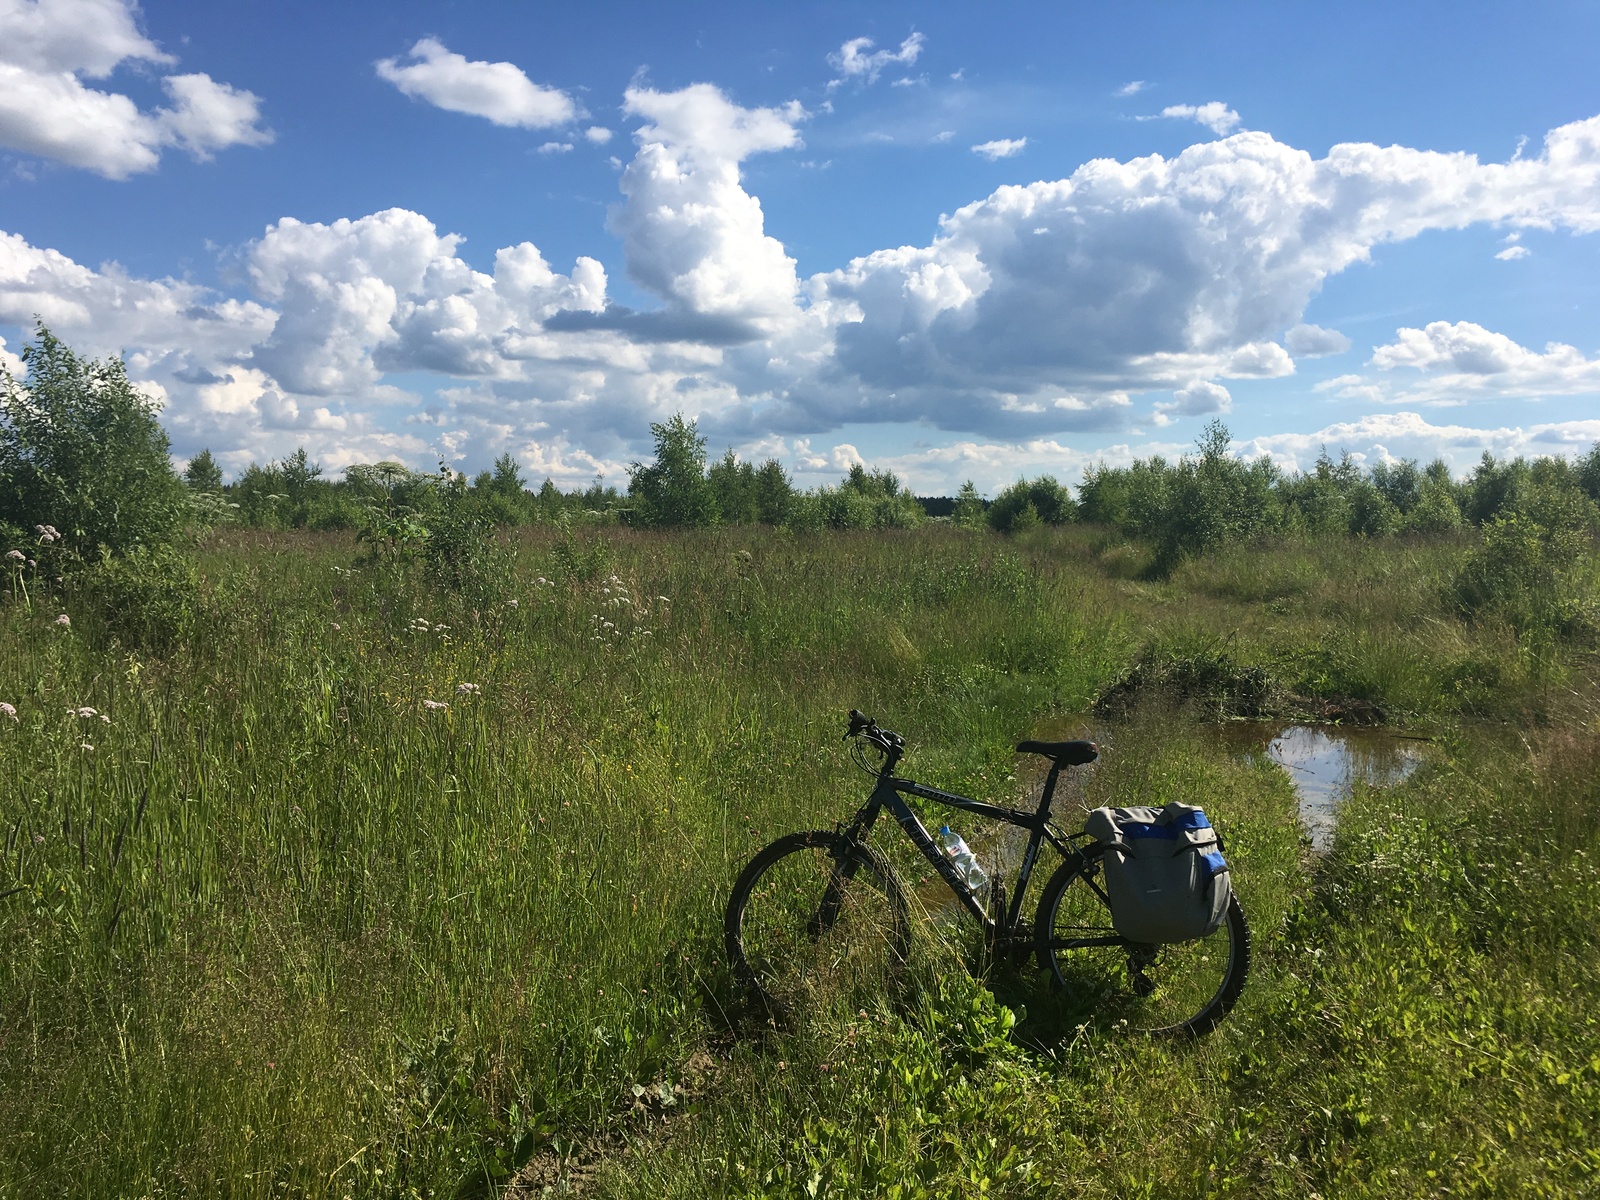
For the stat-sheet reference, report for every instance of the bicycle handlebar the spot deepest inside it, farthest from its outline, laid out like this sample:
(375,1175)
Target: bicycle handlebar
(863,726)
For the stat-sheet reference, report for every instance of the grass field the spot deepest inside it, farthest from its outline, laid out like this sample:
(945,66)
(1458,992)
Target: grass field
(366,888)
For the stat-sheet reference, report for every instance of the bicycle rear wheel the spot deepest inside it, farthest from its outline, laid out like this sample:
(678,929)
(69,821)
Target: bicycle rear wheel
(1181,989)
(816,920)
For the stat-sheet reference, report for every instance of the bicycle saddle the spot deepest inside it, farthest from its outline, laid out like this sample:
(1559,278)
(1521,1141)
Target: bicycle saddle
(1067,754)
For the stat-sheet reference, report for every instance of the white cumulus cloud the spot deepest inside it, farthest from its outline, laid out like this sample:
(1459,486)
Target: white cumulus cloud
(1215,116)
(1132,88)
(1000,148)
(1194,399)
(498,91)
(1460,361)
(692,234)
(47,49)
(76,37)
(1313,341)
(1144,275)
(856,59)
(1037,310)
(208,116)
(1387,437)
(387,292)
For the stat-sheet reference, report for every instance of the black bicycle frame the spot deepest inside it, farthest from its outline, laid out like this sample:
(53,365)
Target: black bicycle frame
(887,795)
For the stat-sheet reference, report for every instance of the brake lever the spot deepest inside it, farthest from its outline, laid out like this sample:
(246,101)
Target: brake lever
(858,722)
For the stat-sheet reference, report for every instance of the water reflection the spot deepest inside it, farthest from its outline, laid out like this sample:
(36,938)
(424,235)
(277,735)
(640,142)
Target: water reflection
(1325,762)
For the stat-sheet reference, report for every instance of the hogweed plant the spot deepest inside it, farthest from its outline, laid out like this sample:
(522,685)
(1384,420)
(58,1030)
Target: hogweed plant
(16,562)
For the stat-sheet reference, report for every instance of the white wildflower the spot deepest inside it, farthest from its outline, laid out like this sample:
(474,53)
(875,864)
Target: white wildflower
(434,705)
(467,689)
(86,746)
(511,604)
(335,626)
(85,712)
(63,620)
(8,710)
(15,556)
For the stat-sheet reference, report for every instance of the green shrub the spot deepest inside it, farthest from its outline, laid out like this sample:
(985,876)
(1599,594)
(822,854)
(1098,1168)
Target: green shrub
(81,450)
(969,508)
(1436,510)
(1026,504)
(674,490)
(863,500)
(460,553)
(1529,570)
(145,598)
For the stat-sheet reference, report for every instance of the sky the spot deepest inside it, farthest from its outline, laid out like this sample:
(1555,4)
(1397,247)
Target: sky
(956,241)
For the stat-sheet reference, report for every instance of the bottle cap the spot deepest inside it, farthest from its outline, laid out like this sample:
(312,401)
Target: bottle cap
(944,831)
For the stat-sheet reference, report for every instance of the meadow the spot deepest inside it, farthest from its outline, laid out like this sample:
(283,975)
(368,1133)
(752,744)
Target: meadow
(362,881)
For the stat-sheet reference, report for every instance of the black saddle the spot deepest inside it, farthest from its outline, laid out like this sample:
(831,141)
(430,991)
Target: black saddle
(1066,754)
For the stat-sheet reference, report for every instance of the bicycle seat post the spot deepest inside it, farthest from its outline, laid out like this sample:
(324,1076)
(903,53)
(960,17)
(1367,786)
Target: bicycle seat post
(1049,792)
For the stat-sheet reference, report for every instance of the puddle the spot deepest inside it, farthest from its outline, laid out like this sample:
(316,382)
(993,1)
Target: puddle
(1325,762)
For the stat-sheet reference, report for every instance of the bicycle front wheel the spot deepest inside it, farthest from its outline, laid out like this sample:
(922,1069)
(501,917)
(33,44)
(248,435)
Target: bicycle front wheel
(1184,988)
(816,921)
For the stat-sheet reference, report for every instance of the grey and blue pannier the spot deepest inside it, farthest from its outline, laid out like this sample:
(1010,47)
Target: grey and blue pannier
(1164,872)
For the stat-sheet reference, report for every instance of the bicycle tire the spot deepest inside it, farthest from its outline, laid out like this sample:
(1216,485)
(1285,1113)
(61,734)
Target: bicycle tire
(816,919)
(1186,987)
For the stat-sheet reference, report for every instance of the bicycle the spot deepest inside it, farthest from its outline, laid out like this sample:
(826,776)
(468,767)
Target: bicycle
(822,913)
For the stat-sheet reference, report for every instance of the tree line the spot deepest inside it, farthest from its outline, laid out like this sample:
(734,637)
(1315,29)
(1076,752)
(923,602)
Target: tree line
(82,451)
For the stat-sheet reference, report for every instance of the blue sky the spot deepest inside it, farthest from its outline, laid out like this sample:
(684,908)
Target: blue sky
(956,241)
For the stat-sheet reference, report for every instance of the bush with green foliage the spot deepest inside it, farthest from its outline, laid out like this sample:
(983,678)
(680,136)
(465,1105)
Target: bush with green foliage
(1436,509)
(673,490)
(203,474)
(749,495)
(460,553)
(146,598)
(863,500)
(81,450)
(969,511)
(1027,504)
(1533,569)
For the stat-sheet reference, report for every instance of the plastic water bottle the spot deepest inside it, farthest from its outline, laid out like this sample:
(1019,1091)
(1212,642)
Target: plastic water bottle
(966,862)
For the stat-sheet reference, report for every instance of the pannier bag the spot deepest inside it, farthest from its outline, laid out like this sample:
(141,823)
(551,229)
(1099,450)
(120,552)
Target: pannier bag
(1164,871)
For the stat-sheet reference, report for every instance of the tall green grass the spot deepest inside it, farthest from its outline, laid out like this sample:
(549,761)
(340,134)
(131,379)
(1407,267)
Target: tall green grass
(288,928)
